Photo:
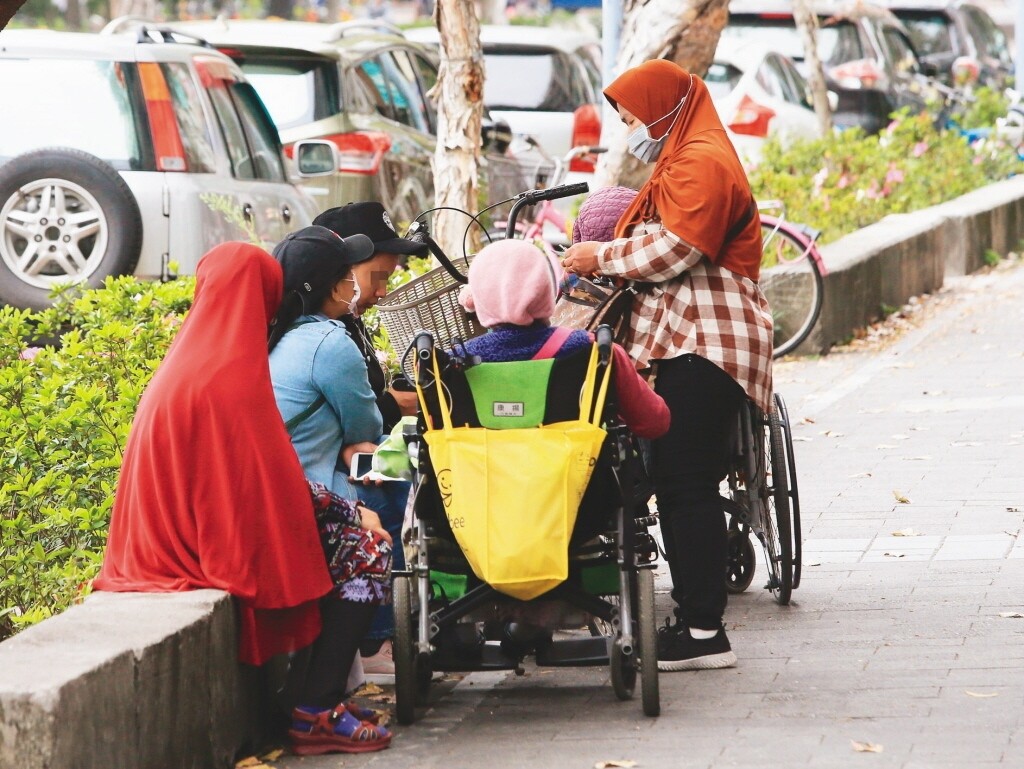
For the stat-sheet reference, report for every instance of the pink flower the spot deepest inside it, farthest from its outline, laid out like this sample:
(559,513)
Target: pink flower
(29,353)
(920,148)
(844,182)
(895,175)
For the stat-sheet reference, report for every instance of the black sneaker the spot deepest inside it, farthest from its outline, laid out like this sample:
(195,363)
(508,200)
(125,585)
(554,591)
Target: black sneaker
(678,650)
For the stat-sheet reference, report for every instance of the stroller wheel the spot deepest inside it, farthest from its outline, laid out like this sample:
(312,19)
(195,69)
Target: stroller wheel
(648,634)
(741,561)
(406,679)
(623,670)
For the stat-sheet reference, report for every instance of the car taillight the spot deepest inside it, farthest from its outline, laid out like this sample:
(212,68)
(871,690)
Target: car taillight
(863,73)
(586,130)
(163,126)
(751,118)
(358,153)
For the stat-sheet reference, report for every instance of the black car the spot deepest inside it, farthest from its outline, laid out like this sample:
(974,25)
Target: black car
(944,31)
(867,56)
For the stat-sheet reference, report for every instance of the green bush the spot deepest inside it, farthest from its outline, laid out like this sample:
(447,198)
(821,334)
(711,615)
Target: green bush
(65,413)
(848,180)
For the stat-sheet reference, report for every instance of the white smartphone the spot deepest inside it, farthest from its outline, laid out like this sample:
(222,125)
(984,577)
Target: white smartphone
(362,466)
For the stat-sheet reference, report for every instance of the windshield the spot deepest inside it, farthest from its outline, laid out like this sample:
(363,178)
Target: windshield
(929,32)
(90,111)
(837,43)
(539,81)
(721,79)
(294,91)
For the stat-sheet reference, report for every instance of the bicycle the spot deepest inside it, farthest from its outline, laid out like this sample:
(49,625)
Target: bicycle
(792,276)
(549,172)
(762,500)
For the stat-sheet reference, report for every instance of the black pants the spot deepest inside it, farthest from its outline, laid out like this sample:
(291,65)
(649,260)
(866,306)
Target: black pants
(689,463)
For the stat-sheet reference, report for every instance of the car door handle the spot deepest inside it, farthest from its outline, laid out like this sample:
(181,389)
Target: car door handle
(286,213)
(247,212)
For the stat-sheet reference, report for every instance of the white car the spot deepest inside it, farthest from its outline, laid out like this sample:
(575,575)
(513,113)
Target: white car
(545,82)
(132,153)
(759,93)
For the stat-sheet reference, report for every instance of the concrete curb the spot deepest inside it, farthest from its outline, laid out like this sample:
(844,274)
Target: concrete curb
(906,255)
(128,680)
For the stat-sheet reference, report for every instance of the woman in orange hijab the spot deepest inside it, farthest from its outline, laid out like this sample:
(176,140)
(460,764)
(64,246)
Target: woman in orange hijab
(212,495)
(691,244)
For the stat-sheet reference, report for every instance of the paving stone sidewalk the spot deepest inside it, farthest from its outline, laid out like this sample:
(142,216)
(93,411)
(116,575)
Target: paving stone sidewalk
(898,643)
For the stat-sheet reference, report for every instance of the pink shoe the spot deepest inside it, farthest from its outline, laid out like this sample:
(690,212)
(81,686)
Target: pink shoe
(382,663)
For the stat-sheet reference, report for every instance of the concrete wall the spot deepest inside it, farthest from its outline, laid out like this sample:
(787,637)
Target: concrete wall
(128,681)
(905,255)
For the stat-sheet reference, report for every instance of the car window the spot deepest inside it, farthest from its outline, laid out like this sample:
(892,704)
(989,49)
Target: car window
(242,166)
(260,133)
(838,39)
(902,55)
(404,74)
(839,42)
(721,78)
(391,92)
(530,79)
(188,112)
(990,39)
(94,96)
(797,82)
(929,32)
(295,91)
(427,73)
(771,77)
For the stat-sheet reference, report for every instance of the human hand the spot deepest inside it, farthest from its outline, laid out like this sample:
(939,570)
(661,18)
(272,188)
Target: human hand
(581,259)
(408,402)
(370,521)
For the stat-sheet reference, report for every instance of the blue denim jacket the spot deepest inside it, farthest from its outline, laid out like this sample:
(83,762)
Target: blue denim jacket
(314,359)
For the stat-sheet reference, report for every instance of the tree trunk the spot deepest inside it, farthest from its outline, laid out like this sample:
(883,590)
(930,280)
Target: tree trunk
(7,10)
(683,31)
(460,86)
(807,25)
(73,15)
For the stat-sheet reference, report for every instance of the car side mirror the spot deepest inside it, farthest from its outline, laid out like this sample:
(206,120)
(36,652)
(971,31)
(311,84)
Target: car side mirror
(315,158)
(496,135)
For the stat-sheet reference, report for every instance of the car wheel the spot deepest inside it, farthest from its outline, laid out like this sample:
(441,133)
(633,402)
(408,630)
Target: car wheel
(65,217)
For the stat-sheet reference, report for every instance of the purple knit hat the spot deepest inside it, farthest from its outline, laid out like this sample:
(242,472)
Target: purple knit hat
(600,213)
(511,281)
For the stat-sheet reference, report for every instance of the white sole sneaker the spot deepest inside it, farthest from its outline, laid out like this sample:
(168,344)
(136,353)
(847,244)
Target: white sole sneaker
(707,662)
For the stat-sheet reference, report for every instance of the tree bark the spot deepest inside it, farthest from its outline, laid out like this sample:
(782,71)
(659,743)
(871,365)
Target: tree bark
(683,31)
(807,25)
(7,10)
(460,86)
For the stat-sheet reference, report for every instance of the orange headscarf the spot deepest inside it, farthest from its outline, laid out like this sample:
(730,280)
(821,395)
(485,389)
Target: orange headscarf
(211,493)
(698,188)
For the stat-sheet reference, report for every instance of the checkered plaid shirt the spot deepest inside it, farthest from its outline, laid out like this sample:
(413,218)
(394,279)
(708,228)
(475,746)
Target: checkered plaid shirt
(687,304)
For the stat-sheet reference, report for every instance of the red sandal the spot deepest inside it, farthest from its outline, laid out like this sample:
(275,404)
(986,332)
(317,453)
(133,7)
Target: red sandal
(317,732)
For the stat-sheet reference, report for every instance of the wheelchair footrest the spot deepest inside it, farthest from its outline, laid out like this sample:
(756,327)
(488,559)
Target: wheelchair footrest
(574,652)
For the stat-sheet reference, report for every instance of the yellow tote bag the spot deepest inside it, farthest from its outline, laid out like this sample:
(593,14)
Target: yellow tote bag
(511,496)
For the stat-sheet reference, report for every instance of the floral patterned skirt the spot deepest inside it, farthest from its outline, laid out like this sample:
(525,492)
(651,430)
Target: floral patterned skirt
(359,561)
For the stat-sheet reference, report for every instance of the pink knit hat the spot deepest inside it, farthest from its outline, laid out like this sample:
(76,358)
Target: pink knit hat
(600,213)
(511,281)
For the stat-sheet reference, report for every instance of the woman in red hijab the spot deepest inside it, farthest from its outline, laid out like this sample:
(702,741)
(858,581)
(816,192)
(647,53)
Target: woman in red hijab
(691,244)
(211,495)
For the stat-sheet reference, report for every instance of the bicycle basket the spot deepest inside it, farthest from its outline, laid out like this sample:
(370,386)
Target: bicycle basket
(429,302)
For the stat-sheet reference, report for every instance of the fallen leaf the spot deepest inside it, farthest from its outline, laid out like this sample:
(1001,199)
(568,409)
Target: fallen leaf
(810,421)
(249,763)
(831,434)
(906,533)
(900,498)
(812,563)
(367,689)
(894,555)
(1011,615)
(980,695)
(272,755)
(619,764)
(801,438)
(861,475)
(865,747)
(1013,509)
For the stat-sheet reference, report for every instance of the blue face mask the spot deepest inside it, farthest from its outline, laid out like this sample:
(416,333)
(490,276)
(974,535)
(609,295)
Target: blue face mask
(642,146)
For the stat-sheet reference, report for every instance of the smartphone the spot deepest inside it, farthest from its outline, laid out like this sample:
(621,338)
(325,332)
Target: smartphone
(362,465)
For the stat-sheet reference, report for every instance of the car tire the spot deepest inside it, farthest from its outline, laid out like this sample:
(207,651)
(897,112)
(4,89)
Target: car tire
(92,227)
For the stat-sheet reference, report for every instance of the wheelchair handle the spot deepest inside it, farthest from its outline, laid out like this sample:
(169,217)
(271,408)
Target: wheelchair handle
(530,197)
(424,342)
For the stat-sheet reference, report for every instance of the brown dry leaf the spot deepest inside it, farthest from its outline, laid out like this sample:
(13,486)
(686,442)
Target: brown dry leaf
(367,689)
(833,434)
(615,764)
(906,533)
(900,498)
(272,755)
(1013,509)
(1011,615)
(866,747)
(861,475)
(895,555)
(251,763)
(980,695)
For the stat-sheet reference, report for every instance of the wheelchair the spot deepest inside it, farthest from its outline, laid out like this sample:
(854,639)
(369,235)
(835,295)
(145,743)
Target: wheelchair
(602,614)
(762,502)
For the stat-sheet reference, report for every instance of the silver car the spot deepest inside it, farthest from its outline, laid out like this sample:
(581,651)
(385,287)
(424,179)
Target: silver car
(130,153)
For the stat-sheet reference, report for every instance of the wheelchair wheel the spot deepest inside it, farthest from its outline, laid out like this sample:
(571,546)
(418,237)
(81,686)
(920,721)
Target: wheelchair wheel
(794,494)
(623,670)
(775,512)
(406,680)
(741,561)
(648,638)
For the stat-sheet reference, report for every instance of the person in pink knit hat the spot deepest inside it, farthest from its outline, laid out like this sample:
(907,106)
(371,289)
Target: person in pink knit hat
(512,290)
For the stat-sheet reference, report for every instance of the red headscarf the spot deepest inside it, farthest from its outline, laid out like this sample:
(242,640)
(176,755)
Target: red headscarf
(698,186)
(211,493)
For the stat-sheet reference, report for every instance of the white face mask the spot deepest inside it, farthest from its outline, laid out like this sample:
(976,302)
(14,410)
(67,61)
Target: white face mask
(353,303)
(642,146)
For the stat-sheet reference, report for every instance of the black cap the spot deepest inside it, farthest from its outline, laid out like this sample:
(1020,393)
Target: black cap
(372,220)
(313,257)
